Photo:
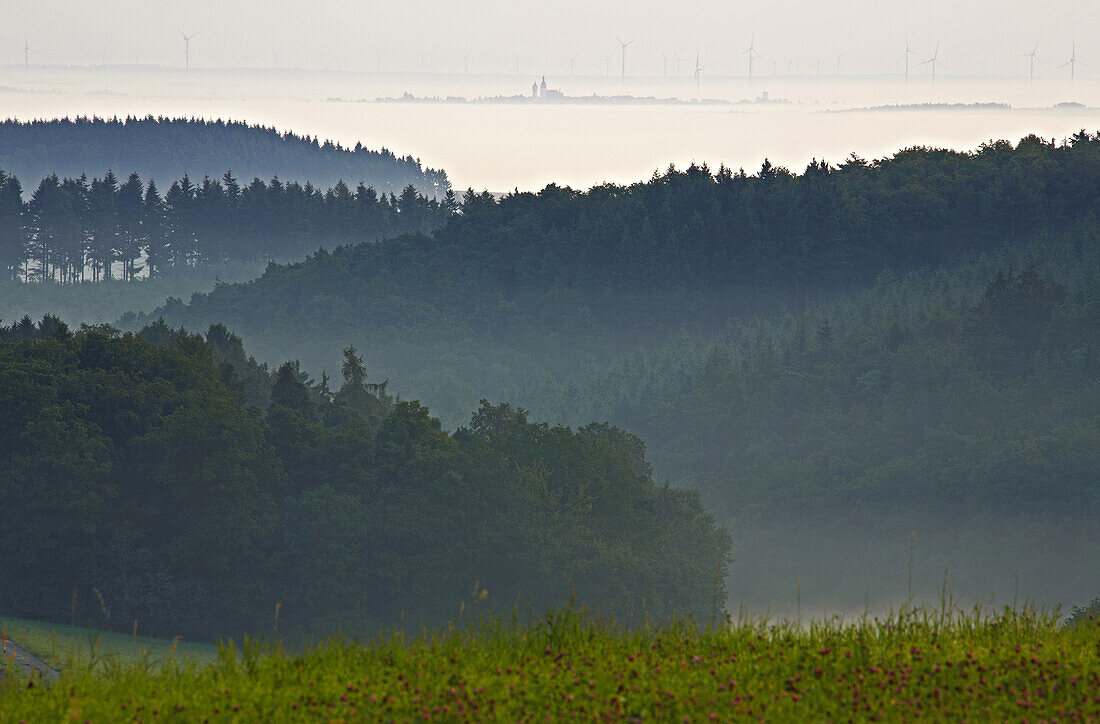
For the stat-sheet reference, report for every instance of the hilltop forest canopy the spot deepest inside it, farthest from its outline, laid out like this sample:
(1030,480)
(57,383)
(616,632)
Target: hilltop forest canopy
(72,229)
(509,292)
(166,148)
(138,483)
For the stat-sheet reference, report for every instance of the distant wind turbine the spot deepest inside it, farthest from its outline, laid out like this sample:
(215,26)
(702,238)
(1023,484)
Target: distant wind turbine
(187,46)
(934,61)
(838,55)
(466,64)
(908,51)
(1034,58)
(517,61)
(751,52)
(698,74)
(1072,63)
(625,46)
(664,64)
(677,57)
(607,64)
(26,56)
(572,66)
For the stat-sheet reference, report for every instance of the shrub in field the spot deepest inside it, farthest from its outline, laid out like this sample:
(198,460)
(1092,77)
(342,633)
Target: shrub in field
(1087,614)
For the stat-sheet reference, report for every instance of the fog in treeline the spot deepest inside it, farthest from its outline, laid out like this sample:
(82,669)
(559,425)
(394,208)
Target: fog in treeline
(586,274)
(831,387)
(830,429)
(75,230)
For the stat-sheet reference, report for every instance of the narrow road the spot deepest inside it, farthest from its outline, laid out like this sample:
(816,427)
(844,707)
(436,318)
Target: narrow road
(28,663)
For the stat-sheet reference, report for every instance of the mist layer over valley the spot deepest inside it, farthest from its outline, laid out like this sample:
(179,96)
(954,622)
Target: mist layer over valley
(526,146)
(374,343)
(858,444)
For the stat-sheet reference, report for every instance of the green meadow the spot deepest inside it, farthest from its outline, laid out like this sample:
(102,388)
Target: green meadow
(73,648)
(941,665)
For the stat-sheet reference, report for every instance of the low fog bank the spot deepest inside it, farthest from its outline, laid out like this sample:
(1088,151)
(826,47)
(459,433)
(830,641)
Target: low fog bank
(531,145)
(832,566)
(104,302)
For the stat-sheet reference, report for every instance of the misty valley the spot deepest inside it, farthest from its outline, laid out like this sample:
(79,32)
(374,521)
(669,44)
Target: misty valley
(295,430)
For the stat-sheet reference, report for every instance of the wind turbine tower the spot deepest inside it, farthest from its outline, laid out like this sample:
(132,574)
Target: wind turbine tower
(838,63)
(676,56)
(908,51)
(466,64)
(934,60)
(1072,63)
(1033,55)
(26,56)
(187,47)
(698,74)
(572,66)
(625,46)
(751,52)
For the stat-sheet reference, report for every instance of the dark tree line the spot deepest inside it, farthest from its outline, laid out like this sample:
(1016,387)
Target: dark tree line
(73,229)
(166,148)
(511,290)
(136,478)
(830,225)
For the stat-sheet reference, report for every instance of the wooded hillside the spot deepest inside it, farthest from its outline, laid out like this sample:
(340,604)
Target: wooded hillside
(164,148)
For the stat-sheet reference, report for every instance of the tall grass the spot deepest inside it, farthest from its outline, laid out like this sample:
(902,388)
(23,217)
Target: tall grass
(944,663)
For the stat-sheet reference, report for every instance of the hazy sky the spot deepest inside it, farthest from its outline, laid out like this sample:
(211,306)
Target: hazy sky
(975,37)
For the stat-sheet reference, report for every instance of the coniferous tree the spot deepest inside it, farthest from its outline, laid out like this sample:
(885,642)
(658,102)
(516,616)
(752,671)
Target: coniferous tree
(71,224)
(103,225)
(154,225)
(13,247)
(46,211)
(368,399)
(132,233)
(289,389)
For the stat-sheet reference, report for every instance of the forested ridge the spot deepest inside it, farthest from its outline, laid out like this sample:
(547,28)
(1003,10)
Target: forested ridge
(167,148)
(71,230)
(939,419)
(139,483)
(509,291)
(920,375)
